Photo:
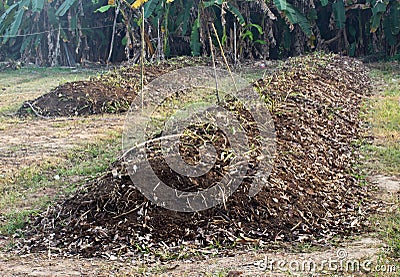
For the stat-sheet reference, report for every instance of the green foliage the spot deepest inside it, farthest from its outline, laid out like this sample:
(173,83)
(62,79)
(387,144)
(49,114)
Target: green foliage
(249,33)
(37,5)
(29,27)
(104,8)
(324,2)
(339,12)
(149,7)
(294,16)
(195,44)
(391,24)
(26,26)
(5,21)
(378,9)
(212,3)
(184,17)
(237,14)
(18,18)
(64,7)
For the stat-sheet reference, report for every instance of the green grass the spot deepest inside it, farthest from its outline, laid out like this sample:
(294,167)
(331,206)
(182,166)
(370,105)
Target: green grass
(25,76)
(389,232)
(391,227)
(91,159)
(57,174)
(383,155)
(386,113)
(29,83)
(383,113)
(15,221)
(382,159)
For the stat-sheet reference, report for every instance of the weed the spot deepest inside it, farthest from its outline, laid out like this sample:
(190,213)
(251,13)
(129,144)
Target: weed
(16,221)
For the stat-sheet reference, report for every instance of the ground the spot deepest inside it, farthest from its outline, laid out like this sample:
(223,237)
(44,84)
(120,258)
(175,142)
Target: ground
(244,264)
(27,145)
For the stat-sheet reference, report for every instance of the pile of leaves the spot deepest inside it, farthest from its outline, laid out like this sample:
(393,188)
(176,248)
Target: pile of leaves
(111,92)
(312,194)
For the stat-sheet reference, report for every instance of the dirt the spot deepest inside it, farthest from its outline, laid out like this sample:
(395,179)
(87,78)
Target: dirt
(24,142)
(388,184)
(310,196)
(238,263)
(80,98)
(172,225)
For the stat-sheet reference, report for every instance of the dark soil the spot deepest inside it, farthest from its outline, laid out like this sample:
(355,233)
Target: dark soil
(111,92)
(312,195)
(80,98)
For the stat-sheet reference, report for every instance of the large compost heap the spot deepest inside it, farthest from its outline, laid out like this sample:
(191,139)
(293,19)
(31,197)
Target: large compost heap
(311,195)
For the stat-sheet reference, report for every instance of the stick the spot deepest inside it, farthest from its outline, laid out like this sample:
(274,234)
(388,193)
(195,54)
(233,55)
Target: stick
(235,42)
(159,47)
(142,61)
(131,211)
(149,141)
(113,33)
(35,112)
(215,69)
(223,55)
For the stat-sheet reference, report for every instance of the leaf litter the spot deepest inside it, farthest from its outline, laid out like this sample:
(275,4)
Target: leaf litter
(312,195)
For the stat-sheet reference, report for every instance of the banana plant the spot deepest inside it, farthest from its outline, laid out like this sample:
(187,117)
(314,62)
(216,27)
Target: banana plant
(54,29)
(391,24)
(339,12)
(10,21)
(293,16)
(378,8)
(49,30)
(218,9)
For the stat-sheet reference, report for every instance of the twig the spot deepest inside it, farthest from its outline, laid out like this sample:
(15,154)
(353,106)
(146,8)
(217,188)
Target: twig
(113,34)
(215,69)
(235,42)
(128,212)
(223,55)
(142,61)
(35,112)
(149,141)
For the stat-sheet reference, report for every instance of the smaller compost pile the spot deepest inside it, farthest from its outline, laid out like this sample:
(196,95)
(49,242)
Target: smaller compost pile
(111,92)
(310,196)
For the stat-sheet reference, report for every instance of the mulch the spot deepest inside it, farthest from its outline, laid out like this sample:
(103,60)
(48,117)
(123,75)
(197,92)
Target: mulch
(313,194)
(110,92)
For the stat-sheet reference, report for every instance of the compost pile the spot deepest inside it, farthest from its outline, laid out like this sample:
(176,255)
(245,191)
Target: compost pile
(311,195)
(111,92)
(79,98)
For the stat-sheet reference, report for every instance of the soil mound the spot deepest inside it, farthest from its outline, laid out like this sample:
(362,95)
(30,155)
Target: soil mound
(111,92)
(312,194)
(80,98)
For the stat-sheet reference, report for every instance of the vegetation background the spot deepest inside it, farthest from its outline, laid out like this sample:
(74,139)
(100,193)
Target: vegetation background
(67,32)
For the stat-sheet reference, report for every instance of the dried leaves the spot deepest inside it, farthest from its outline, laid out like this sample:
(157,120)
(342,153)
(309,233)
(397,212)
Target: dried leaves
(311,194)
